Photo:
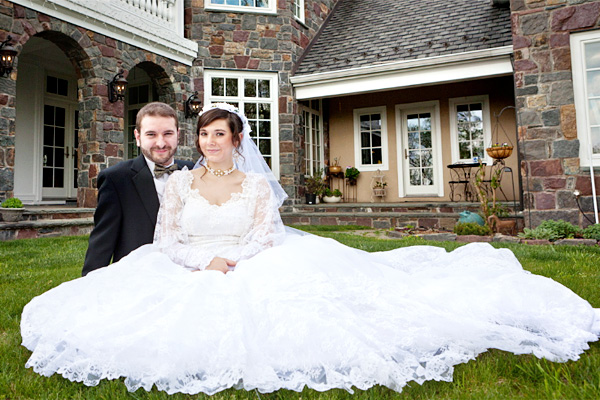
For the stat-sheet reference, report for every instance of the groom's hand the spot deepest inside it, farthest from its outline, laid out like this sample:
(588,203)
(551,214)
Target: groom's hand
(221,264)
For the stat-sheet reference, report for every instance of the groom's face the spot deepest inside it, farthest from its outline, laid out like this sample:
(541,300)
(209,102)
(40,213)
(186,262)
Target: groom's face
(157,138)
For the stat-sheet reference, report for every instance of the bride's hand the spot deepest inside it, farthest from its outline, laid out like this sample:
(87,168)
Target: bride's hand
(221,264)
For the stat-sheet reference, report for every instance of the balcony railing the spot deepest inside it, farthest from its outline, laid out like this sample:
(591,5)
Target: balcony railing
(154,25)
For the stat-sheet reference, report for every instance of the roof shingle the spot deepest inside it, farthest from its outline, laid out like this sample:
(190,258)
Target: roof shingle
(369,32)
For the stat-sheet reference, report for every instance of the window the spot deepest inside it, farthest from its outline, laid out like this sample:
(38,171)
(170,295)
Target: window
(585,58)
(370,139)
(260,6)
(312,127)
(255,94)
(298,10)
(470,128)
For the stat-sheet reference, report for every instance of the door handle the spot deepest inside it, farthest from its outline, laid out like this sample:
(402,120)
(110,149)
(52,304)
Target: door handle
(67,151)
(405,154)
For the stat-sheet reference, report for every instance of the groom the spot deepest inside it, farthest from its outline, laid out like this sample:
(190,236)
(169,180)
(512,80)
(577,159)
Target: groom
(130,192)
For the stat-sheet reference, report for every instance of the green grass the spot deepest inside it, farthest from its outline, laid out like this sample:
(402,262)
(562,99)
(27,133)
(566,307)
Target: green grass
(30,267)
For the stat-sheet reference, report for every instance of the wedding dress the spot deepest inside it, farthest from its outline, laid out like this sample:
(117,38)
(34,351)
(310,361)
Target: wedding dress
(297,310)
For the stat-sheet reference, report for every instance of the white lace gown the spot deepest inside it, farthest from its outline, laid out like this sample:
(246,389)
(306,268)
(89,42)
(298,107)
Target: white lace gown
(297,310)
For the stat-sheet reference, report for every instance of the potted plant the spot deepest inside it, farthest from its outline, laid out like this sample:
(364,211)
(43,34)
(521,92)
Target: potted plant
(332,196)
(12,209)
(351,175)
(314,186)
(379,188)
(335,168)
(499,151)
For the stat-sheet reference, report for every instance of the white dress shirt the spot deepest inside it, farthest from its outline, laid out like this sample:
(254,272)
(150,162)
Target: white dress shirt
(159,183)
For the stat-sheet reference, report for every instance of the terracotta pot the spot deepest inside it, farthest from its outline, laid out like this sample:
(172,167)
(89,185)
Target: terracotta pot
(335,169)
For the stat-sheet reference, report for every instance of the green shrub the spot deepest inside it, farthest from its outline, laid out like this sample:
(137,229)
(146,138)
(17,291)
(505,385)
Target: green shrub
(563,229)
(12,202)
(592,232)
(539,233)
(471,228)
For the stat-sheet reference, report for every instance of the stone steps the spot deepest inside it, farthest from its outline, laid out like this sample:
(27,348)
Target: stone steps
(381,215)
(39,221)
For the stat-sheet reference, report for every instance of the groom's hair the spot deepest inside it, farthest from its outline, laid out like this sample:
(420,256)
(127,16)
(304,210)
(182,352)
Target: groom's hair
(155,109)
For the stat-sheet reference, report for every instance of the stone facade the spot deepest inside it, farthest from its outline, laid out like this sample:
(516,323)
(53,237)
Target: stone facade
(257,42)
(227,40)
(548,136)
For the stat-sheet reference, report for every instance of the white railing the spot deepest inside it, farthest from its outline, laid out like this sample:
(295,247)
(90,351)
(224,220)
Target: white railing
(162,9)
(155,25)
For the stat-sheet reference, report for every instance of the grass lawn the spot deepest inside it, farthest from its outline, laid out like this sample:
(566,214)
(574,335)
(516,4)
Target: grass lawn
(32,266)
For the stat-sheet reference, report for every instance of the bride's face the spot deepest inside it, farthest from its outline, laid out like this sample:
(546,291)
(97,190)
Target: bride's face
(216,143)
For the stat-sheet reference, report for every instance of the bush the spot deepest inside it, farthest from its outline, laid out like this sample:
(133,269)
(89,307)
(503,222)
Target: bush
(562,229)
(329,193)
(539,233)
(12,202)
(471,228)
(592,232)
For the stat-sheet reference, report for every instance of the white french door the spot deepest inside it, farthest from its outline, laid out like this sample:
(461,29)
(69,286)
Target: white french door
(419,153)
(59,150)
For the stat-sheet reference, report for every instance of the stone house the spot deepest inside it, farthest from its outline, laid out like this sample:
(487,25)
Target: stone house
(387,87)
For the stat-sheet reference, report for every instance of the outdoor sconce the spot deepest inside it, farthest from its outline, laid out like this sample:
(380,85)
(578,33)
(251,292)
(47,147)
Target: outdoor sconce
(116,87)
(192,105)
(7,57)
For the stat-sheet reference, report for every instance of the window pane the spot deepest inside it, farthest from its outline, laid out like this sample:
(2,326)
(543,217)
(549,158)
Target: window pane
(464,150)
(425,122)
(593,83)
(144,94)
(60,116)
(48,136)
(414,158)
(595,132)
(413,123)
(231,87)
(365,139)
(134,95)
(48,115)
(48,156)
(592,55)
(264,129)
(365,156)
(253,127)
(59,137)
(427,176)
(377,156)
(415,177)
(250,87)
(47,177)
(51,84)
(594,112)
(218,86)
(376,139)
(264,111)
(264,88)
(265,146)
(250,110)
(462,108)
(376,122)
(62,87)
(426,158)
(413,140)
(59,178)
(365,122)
(426,140)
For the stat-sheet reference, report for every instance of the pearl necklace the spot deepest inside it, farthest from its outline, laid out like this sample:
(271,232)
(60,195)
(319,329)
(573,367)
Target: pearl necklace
(219,172)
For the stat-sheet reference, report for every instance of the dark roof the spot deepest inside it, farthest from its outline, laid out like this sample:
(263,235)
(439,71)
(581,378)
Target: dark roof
(369,32)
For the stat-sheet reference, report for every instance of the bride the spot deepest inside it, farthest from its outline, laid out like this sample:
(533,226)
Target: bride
(225,297)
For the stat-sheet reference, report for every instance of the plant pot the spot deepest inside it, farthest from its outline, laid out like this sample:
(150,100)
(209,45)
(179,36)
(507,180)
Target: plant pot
(335,169)
(311,198)
(499,153)
(332,199)
(11,214)
(379,192)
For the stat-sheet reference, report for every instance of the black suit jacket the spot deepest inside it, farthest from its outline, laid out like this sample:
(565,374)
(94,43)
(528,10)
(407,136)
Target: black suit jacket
(126,212)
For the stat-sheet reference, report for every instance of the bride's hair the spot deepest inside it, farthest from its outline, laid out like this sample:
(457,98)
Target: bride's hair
(235,125)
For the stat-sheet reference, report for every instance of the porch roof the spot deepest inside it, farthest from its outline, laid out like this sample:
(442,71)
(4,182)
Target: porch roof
(363,36)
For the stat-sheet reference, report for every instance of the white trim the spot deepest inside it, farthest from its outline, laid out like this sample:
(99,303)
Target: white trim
(271,9)
(312,112)
(125,23)
(578,41)
(301,17)
(487,125)
(240,99)
(385,164)
(407,73)
(436,136)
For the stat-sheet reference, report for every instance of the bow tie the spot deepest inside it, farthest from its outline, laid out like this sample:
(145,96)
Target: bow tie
(159,170)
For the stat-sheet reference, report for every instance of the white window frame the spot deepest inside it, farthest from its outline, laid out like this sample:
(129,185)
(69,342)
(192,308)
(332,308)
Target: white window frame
(385,164)
(271,9)
(582,111)
(298,10)
(321,146)
(240,99)
(487,125)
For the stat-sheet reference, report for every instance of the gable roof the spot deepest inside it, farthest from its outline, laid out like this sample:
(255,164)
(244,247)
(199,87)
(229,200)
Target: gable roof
(363,33)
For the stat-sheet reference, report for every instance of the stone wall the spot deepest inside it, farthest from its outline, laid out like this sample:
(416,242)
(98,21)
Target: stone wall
(548,135)
(260,42)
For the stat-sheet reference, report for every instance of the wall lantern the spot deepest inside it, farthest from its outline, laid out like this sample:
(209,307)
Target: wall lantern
(7,57)
(116,87)
(193,105)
